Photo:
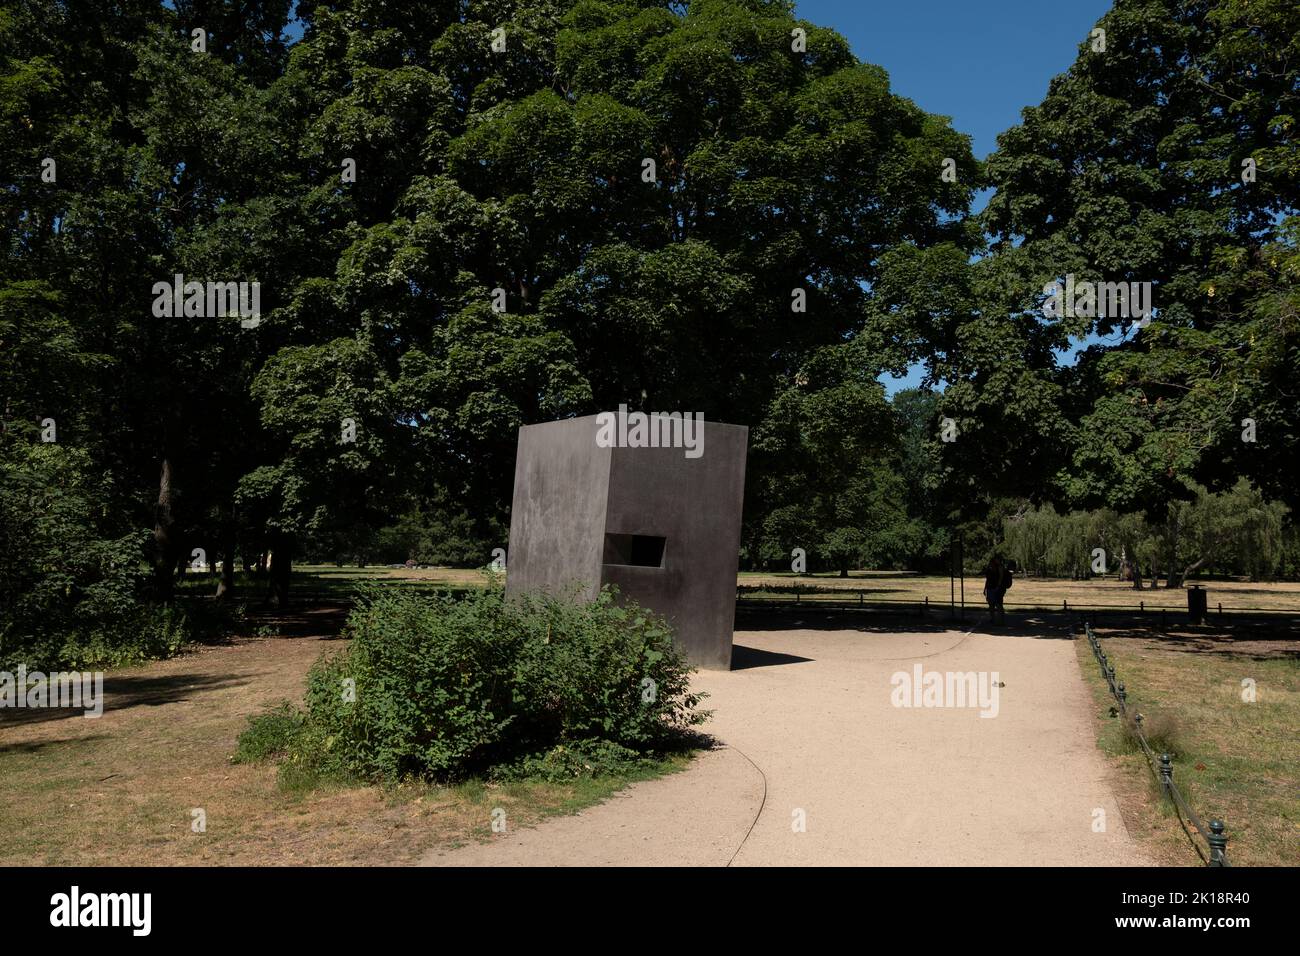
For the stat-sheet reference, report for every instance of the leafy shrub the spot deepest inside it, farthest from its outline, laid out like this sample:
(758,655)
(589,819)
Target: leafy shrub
(148,632)
(72,582)
(268,735)
(451,686)
(583,758)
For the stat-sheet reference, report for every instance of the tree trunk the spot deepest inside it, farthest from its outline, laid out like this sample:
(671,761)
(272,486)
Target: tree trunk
(1182,578)
(281,569)
(226,586)
(163,543)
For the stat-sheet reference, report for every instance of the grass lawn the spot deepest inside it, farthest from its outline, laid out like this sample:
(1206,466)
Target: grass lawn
(120,789)
(328,582)
(1040,593)
(1234,760)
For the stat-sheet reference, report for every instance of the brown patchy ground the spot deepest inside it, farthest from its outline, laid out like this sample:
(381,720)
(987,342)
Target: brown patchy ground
(120,789)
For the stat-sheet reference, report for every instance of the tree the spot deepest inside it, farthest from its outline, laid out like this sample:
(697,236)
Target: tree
(1169,157)
(827,456)
(626,203)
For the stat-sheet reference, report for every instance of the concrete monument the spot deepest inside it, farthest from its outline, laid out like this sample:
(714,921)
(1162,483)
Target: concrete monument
(648,502)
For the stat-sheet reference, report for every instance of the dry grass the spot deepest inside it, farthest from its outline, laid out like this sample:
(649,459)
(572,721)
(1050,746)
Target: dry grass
(1234,760)
(1044,594)
(120,789)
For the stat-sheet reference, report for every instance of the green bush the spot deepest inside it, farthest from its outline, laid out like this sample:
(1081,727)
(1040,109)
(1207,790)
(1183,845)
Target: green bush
(72,581)
(451,686)
(268,735)
(583,758)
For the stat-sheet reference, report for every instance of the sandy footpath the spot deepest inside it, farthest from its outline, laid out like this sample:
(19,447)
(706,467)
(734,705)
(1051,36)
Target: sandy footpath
(808,733)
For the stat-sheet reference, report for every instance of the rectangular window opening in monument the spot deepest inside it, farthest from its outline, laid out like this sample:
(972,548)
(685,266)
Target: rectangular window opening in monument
(638,550)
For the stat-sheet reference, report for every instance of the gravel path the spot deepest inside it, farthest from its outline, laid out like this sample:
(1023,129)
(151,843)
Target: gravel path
(817,766)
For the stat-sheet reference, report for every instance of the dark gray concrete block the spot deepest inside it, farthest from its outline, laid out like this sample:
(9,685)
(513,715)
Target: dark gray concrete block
(662,526)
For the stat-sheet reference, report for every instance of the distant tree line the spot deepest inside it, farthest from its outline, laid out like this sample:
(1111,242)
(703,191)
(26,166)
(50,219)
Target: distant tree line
(1235,533)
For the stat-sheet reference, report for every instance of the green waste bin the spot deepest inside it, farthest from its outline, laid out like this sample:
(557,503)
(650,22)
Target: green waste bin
(1197,599)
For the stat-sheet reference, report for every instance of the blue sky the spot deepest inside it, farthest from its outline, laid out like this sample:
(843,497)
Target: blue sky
(979,63)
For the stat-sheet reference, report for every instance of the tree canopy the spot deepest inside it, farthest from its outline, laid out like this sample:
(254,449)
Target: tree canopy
(465,217)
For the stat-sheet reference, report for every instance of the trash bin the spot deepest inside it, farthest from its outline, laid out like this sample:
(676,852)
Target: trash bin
(1197,599)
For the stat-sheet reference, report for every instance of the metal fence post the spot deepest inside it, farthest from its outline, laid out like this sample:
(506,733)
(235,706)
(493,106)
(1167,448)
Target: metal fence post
(1218,844)
(1166,772)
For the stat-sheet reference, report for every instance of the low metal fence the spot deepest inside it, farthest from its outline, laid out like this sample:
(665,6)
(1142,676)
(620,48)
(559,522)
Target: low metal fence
(1216,842)
(757,595)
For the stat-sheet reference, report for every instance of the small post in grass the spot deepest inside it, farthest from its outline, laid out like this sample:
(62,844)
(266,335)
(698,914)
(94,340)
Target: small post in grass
(1218,844)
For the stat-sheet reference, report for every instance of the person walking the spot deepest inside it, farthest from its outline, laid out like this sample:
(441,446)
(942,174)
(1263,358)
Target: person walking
(995,588)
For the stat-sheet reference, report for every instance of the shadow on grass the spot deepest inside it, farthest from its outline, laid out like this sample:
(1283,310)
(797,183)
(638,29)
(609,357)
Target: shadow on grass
(40,746)
(122,693)
(1260,636)
(882,621)
(323,619)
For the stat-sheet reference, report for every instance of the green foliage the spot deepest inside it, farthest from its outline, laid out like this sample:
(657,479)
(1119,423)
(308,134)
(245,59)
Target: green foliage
(73,588)
(583,758)
(70,589)
(446,687)
(829,480)
(1236,532)
(269,735)
(525,171)
(1132,168)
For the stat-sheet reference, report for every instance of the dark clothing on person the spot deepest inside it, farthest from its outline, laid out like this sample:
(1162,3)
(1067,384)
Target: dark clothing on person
(993,580)
(995,588)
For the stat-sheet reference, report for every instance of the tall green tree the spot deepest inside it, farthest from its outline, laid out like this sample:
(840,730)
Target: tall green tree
(1168,154)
